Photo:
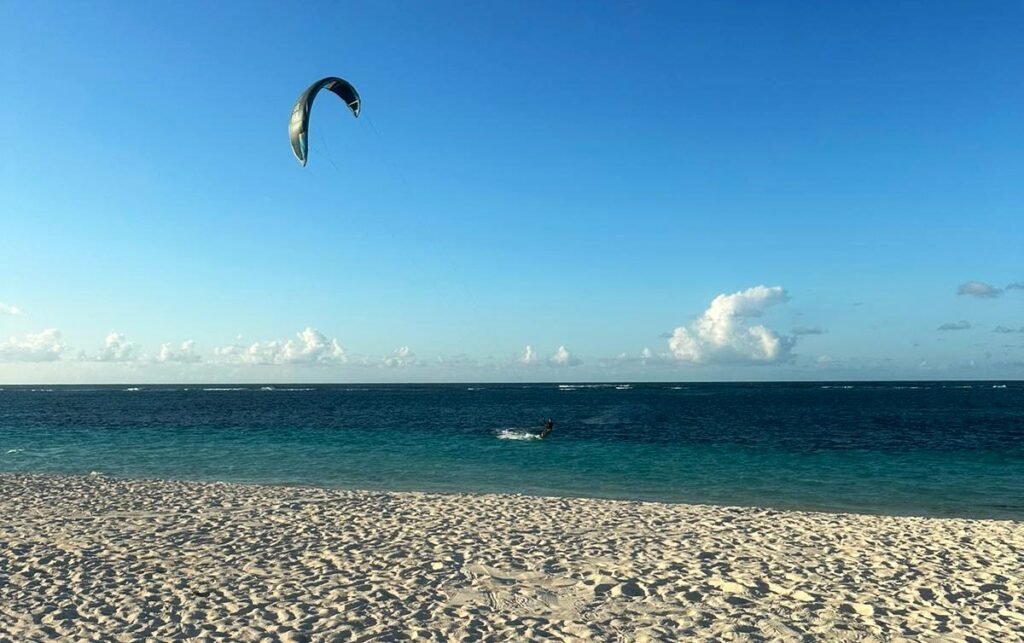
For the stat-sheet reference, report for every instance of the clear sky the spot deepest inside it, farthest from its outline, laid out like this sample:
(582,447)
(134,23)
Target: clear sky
(542,191)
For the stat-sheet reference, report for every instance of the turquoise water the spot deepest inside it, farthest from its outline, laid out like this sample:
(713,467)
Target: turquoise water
(925,448)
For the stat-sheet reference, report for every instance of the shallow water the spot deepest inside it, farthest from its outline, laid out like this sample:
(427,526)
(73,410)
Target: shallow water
(924,448)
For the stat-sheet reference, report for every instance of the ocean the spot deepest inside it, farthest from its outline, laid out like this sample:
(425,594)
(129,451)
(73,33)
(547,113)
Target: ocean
(903,448)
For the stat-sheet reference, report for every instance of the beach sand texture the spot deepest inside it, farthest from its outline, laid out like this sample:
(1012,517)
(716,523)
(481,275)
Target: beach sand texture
(85,557)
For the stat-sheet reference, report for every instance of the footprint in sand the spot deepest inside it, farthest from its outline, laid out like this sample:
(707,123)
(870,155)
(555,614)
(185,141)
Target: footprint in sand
(630,589)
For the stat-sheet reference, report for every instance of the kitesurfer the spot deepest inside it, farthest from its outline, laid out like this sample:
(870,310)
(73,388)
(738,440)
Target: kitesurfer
(548,425)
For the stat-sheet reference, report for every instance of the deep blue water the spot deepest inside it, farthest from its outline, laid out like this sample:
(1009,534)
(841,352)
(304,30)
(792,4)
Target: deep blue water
(922,448)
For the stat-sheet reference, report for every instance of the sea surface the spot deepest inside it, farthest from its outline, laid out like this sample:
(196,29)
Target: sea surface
(908,448)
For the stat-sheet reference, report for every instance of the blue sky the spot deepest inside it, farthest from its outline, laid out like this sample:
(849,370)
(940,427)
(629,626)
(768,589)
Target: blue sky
(581,179)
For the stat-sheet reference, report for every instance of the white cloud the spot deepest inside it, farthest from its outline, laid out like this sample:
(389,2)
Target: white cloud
(44,346)
(646,353)
(979,289)
(824,359)
(563,357)
(722,333)
(310,347)
(117,349)
(1017,285)
(528,356)
(7,309)
(185,355)
(963,324)
(401,357)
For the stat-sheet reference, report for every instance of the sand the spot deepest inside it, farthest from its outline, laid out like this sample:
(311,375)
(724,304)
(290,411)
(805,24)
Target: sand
(92,557)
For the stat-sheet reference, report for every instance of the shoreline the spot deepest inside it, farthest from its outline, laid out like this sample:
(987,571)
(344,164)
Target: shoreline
(799,509)
(92,555)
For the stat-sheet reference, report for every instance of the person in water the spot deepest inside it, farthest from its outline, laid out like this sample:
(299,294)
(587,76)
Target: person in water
(547,429)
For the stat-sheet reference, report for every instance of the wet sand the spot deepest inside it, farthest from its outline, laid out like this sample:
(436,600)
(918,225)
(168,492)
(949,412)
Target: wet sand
(85,557)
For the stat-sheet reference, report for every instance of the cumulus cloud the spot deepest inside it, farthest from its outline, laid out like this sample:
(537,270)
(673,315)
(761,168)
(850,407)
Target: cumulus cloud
(978,289)
(808,330)
(723,332)
(44,346)
(529,356)
(309,347)
(7,309)
(1017,285)
(402,356)
(563,357)
(963,324)
(824,359)
(185,355)
(116,348)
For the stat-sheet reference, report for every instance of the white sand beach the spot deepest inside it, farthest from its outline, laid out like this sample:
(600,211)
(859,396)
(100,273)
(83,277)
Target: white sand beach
(92,557)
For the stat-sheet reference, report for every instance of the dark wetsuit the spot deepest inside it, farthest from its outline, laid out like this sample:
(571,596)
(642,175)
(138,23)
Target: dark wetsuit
(547,429)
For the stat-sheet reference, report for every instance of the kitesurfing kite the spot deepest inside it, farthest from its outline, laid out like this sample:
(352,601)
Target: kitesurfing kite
(298,126)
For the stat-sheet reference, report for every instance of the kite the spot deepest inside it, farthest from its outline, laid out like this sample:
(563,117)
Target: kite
(298,126)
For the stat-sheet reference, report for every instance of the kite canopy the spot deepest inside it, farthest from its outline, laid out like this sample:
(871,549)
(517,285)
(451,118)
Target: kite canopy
(298,126)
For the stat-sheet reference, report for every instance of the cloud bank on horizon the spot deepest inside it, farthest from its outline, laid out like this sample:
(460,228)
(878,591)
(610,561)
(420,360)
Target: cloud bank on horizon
(310,347)
(186,354)
(732,332)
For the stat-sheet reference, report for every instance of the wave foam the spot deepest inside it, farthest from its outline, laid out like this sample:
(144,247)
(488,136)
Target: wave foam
(516,434)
